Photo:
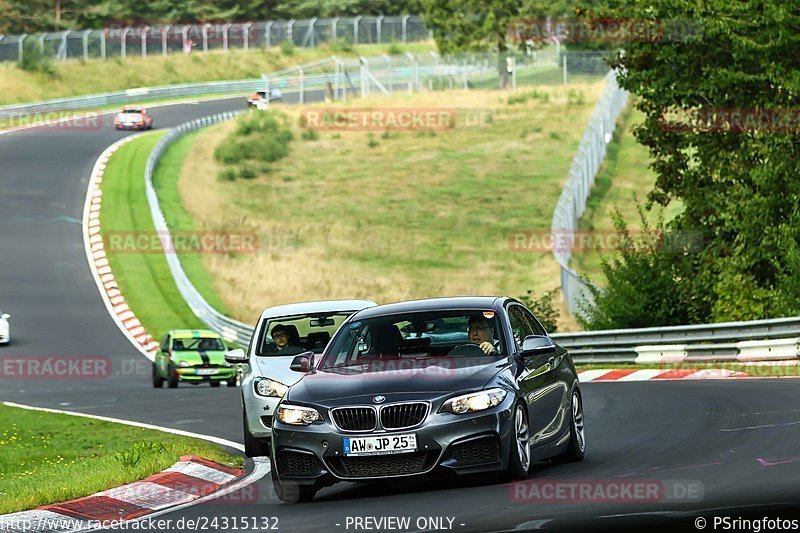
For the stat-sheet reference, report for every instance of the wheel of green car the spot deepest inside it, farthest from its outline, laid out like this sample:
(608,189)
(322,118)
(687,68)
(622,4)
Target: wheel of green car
(232,382)
(158,381)
(214,383)
(172,380)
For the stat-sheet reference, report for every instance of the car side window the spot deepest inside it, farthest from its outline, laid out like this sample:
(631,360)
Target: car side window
(520,327)
(536,326)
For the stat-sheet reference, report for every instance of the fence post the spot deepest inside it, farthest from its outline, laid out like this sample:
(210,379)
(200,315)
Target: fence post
(334,22)
(103,42)
(85,44)
(268,33)
(124,43)
(335,79)
(404,27)
(205,36)
(64,46)
(41,42)
(311,32)
(225,29)
(564,67)
(355,29)
(164,32)
(378,22)
(391,72)
(144,40)
(247,35)
(21,46)
(289,30)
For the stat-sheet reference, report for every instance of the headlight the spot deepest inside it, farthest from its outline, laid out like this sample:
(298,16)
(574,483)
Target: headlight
(183,364)
(297,415)
(269,387)
(475,401)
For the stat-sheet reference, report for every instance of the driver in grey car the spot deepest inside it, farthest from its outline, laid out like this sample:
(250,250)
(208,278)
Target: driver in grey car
(481,332)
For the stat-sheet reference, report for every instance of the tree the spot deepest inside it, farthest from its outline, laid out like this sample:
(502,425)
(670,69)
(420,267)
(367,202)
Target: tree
(736,177)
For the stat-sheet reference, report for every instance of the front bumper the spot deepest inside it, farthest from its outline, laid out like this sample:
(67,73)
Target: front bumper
(130,126)
(221,374)
(460,444)
(259,411)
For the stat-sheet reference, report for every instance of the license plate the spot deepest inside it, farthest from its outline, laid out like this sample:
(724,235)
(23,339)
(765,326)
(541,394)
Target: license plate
(380,445)
(206,371)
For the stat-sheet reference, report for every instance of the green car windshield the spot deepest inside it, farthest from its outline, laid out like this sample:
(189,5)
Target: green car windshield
(198,345)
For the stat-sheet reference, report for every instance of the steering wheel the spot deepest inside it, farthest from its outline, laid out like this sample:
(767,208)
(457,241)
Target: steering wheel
(466,350)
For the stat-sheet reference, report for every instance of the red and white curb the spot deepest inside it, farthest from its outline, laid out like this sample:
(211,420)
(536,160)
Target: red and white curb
(115,302)
(652,374)
(187,481)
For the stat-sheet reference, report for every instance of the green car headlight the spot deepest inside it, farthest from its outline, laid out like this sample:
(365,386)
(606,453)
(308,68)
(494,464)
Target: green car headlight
(270,388)
(297,415)
(475,401)
(183,364)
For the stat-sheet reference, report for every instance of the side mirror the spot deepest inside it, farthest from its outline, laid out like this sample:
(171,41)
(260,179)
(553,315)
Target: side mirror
(537,344)
(5,316)
(236,356)
(303,362)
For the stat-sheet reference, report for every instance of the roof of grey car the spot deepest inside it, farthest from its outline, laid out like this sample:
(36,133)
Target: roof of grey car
(433,304)
(326,306)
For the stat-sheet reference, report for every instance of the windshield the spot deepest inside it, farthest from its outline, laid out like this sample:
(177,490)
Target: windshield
(426,335)
(291,335)
(198,345)
(132,111)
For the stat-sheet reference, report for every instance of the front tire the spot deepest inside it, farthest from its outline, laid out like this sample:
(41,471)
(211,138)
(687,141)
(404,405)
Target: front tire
(158,381)
(290,491)
(172,380)
(214,383)
(519,461)
(576,449)
(232,382)
(253,447)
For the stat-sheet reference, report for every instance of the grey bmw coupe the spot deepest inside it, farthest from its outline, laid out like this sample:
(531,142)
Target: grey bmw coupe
(466,385)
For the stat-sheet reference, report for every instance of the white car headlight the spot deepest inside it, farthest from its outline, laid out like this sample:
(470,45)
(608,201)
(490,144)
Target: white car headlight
(297,415)
(475,401)
(270,387)
(183,364)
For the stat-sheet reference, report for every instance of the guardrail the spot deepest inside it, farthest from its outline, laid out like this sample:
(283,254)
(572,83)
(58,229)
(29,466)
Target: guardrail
(582,172)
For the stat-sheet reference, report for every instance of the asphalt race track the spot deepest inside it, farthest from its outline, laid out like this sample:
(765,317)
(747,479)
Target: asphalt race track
(731,447)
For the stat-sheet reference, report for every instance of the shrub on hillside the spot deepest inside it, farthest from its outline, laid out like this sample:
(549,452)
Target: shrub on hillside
(260,138)
(33,60)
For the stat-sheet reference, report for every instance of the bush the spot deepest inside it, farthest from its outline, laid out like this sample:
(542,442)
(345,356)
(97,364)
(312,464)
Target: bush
(394,48)
(227,174)
(260,138)
(543,308)
(34,61)
(246,171)
(575,98)
(287,48)
(309,135)
(342,44)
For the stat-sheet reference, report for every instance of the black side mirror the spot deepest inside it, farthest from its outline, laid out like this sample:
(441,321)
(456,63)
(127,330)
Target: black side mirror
(537,344)
(303,362)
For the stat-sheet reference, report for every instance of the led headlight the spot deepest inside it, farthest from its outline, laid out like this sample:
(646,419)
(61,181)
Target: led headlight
(183,364)
(270,387)
(475,401)
(297,415)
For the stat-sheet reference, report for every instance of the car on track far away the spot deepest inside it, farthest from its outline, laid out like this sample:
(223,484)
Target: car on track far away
(5,328)
(192,356)
(133,117)
(467,385)
(282,333)
(259,99)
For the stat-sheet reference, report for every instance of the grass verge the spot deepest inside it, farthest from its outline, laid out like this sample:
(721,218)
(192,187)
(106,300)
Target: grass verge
(394,215)
(78,77)
(141,272)
(625,175)
(49,458)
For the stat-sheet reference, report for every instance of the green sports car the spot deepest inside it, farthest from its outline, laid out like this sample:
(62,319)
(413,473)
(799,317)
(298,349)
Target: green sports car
(193,356)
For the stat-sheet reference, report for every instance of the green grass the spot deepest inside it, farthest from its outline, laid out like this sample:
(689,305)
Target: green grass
(144,278)
(625,174)
(166,184)
(76,77)
(397,215)
(49,458)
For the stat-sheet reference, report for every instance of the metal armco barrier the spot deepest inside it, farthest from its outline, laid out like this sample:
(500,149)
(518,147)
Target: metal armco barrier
(232,330)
